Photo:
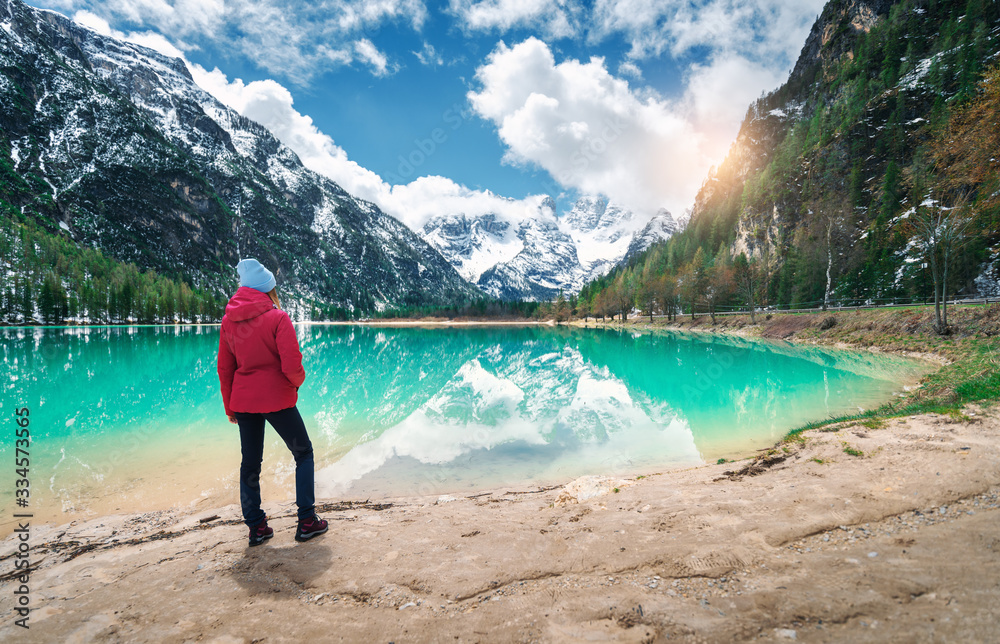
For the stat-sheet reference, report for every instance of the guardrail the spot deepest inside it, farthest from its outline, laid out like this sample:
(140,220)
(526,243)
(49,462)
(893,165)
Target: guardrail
(819,309)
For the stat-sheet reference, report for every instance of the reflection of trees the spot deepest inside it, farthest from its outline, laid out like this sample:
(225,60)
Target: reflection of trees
(363,380)
(722,384)
(107,377)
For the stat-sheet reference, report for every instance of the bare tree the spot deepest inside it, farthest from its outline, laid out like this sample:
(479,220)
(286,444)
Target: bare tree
(836,218)
(666,293)
(623,294)
(942,232)
(601,305)
(719,287)
(646,297)
(694,280)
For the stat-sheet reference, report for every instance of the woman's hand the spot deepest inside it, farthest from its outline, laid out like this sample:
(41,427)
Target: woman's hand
(232,419)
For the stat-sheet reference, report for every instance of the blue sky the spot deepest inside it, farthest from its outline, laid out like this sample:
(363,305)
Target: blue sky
(431,108)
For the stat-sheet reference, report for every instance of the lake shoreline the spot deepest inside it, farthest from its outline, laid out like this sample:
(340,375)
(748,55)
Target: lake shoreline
(873,529)
(968,367)
(838,536)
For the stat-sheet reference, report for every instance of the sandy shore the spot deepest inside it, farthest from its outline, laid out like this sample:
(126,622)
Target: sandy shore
(900,544)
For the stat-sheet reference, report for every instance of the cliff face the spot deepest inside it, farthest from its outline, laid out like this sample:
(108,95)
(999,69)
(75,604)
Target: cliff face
(820,176)
(116,147)
(834,33)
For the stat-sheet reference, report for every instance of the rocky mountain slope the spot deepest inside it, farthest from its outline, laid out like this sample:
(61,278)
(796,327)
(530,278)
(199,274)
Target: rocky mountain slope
(824,170)
(538,257)
(889,113)
(115,147)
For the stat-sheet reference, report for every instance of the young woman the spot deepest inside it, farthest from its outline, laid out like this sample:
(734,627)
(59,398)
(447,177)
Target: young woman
(260,369)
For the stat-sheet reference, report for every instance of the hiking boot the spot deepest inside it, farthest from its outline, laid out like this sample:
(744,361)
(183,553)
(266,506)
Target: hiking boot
(260,532)
(309,528)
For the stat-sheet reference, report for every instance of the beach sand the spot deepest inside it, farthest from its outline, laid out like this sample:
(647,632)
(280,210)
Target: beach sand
(900,544)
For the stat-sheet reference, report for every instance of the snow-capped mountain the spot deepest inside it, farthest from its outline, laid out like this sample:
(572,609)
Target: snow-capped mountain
(538,256)
(546,264)
(117,145)
(660,227)
(473,244)
(604,233)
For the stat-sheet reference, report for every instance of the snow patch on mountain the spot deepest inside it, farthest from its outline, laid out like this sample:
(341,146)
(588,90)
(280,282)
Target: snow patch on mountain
(601,232)
(473,244)
(662,226)
(181,178)
(537,257)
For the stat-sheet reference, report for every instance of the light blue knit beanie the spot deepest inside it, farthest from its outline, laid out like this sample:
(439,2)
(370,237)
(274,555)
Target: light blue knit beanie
(255,276)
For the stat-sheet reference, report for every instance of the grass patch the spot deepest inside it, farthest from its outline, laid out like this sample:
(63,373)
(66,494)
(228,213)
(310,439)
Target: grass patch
(972,377)
(817,460)
(986,387)
(972,350)
(873,423)
(851,451)
(721,461)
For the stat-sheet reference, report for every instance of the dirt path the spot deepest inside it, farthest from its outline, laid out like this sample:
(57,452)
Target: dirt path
(899,544)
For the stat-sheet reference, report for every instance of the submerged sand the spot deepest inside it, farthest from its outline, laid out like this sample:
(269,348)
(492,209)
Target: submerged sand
(900,544)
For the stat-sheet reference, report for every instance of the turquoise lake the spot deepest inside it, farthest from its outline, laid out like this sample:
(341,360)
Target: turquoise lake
(130,418)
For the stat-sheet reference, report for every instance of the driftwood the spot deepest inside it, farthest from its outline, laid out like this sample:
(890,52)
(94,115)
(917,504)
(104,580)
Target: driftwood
(758,465)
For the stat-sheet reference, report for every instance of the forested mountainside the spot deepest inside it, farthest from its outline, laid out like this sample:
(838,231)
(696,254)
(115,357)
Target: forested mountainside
(870,175)
(129,193)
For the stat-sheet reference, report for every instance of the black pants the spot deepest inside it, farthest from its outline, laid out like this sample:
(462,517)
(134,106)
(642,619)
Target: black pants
(288,423)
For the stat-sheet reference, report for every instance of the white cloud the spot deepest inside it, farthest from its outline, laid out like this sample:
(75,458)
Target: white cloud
(589,129)
(555,18)
(719,92)
(271,105)
(292,39)
(557,116)
(757,29)
(429,56)
(148,39)
(369,54)
(93,21)
(179,18)
(628,68)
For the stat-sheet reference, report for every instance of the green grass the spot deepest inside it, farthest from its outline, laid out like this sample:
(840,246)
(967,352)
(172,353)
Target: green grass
(973,376)
(873,423)
(851,451)
(983,388)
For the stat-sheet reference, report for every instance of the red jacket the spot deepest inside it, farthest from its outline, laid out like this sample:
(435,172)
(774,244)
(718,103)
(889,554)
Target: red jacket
(260,365)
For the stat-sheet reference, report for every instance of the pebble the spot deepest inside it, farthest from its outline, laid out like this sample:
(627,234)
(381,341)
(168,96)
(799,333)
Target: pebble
(787,633)
(407,605)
